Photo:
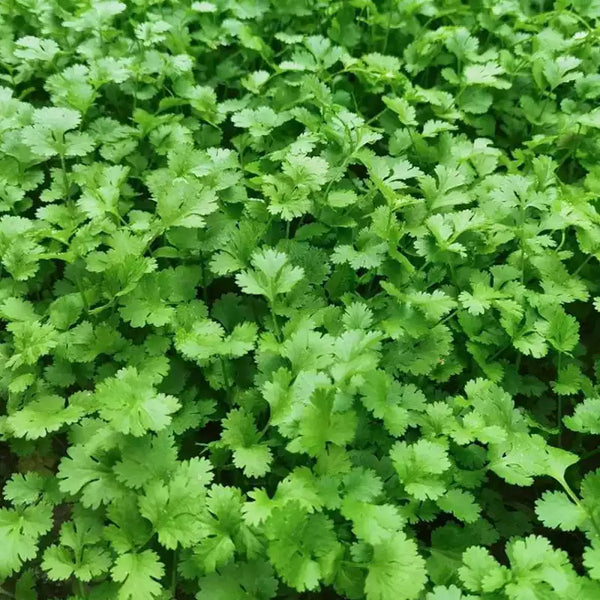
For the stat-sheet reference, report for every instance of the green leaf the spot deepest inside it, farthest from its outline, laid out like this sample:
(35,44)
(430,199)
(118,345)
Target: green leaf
(139,575)
(241,436)
(373,523)
(448,593)
(406,113)
(531,560)
(481,572)
(586,417)
(555,510)
(591,560)
(25,587)
(237,581)
(302,547)
(181,202)
(173,507)
(129,402)
(260,121)
(30,48)
(562,331)
(59,563)
(48,135)
(395,571)
(43,416)
(271,276)
(20,531)
(461,504)
(418,467)
(81,472)
(25,489)
(486,74)
(321,425)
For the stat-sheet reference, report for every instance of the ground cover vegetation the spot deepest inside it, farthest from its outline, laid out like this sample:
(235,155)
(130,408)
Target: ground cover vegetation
(299,299)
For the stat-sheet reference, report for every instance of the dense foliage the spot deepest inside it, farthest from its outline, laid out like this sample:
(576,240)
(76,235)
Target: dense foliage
(298,299)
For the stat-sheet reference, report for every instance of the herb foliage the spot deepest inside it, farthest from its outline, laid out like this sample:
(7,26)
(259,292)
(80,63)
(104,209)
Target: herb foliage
(299,299)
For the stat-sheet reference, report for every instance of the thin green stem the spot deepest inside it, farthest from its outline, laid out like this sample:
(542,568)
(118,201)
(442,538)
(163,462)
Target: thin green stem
(174,573)
(562,241)
(226,381)
(585,262)
(570,493)
(559,404)
(102,307)
(461,91)
(276,328)
(374,118)
(386,37)
(446,318)
(65,176)
(262,432)
(499,352)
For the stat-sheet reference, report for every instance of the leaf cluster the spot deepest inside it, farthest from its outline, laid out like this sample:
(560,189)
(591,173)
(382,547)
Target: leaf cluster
(299,299)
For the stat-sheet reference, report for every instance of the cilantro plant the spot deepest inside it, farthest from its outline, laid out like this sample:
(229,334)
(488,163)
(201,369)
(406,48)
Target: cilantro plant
(299,299)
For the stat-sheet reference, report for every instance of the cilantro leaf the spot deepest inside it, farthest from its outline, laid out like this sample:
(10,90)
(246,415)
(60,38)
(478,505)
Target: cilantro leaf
(129,402)
(396,568)
(21,530)
(138,575)
(271,276)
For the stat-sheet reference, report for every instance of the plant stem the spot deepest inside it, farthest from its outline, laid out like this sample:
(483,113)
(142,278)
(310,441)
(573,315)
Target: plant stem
(499,352)
(66,181)
(100,308)
(447,317)
(585,262)
(559,404)
(226,381)
(262,432)
(276,328)
(174,573)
